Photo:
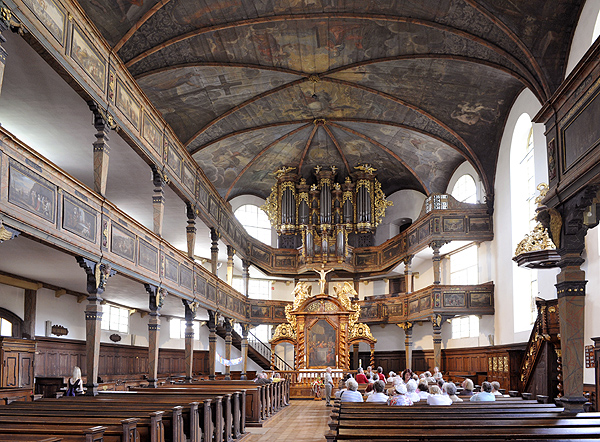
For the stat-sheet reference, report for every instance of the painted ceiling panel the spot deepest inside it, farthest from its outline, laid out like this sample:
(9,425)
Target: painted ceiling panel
(190,97)
(417,86)
(321,152)
(223,161)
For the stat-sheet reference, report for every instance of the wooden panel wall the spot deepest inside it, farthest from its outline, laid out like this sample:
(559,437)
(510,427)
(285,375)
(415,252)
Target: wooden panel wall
(57,357)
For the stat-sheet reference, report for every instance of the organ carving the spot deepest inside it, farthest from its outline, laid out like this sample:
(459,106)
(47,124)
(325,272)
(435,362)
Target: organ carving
(326,219)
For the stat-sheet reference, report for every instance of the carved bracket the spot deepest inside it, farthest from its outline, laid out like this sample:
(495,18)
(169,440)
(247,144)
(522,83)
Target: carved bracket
(97,275)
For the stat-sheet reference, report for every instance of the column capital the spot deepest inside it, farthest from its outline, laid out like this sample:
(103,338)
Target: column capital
(159,178)
(407,327)
(190,308)
(7,233)
(156,298)
(97,276)
(214,235)
(228,324)
(103,121)
(213,317)
(437,244)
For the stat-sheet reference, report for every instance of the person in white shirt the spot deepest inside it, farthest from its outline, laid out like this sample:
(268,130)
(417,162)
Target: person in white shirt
(450,389)
(378,396)
(496,388)
(423,389)
(437,398)
(351,395)
(485,395)
(411,391)
(391,376)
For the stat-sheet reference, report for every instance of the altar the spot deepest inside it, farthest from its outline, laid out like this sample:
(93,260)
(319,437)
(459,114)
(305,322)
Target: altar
(322,328)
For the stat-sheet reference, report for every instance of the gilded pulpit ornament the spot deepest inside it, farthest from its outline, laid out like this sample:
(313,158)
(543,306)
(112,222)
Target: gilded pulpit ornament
(537,250)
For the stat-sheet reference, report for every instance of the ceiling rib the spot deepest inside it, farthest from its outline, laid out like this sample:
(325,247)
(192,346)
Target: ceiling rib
(143,19)
(535,88)
(337,146)
(221,64)
(384,148)
(243,104)
(310,138)
(249,129)
(510,34)
(478,165)
(261,153)
(330,16)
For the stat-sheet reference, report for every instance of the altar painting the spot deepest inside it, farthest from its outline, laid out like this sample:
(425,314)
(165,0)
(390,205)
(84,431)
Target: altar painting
(322,339)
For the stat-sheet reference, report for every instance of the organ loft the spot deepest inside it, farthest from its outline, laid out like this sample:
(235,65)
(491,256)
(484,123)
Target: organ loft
(213,212)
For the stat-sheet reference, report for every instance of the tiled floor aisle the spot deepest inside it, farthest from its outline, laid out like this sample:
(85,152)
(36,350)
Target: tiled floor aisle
(301,421)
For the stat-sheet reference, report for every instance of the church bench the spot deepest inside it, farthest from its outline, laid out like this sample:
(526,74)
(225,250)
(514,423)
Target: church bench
(151,423)
(65,433)
(27,438)
(233,404)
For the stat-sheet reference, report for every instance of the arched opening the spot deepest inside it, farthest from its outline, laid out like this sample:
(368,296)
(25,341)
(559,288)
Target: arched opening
(255,221)
(10,324)
(465,189)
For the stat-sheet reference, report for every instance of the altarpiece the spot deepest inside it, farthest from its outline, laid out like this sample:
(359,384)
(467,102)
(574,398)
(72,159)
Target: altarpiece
(322,328)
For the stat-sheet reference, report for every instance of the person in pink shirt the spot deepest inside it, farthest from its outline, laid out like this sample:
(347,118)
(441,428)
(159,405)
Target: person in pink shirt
(360,377)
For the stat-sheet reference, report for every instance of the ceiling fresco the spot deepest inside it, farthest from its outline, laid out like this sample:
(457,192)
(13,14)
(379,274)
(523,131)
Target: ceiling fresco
(414,87)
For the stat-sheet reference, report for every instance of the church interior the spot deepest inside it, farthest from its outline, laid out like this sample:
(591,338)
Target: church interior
(197,192)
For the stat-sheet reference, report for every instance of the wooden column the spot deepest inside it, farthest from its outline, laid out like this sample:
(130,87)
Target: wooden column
(214,250)
(29,314)
(97,277)
(407,327)
(190,313)
(408,274)
(212,343)
(228,324)
(230,253)
(156,297)
(436,322)
(190,230)
(158,200)
(102,123)
(570,289)
(437,274)
(355,356)
(245,328)
(245,277)
(5,16)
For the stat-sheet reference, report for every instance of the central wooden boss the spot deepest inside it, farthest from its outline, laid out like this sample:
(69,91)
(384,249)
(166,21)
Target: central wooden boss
(322,327)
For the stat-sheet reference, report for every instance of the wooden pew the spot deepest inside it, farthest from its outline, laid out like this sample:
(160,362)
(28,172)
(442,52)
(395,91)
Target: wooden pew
(476,421)
(65,434)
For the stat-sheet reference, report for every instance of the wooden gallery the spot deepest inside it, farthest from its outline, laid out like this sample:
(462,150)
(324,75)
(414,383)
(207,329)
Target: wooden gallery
(213,212)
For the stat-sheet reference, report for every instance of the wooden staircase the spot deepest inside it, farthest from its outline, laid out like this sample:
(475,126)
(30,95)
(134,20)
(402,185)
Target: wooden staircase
(541,365)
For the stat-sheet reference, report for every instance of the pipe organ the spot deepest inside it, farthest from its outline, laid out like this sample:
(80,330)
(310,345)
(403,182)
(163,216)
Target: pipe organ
(326,219)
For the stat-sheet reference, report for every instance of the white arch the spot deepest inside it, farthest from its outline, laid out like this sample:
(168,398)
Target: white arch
(586,32)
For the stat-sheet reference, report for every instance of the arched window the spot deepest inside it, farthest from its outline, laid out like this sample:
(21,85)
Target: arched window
(523,193)
(596,32)
(10,324)
(255,221)
(465,190)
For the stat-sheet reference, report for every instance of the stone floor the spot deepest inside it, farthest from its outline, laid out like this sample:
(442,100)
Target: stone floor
(301,421)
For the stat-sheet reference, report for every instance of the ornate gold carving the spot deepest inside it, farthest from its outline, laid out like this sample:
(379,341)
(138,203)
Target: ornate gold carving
(271,207)
(314,78)
(282,171)
(537,240)
(284,331)
(366,168)
(361,331)
(380,203)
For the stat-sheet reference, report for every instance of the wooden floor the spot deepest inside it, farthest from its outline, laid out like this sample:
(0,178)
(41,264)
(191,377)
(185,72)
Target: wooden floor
(301,421)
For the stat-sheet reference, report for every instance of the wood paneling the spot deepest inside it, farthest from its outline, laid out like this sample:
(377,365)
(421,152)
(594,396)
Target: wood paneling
(57,357)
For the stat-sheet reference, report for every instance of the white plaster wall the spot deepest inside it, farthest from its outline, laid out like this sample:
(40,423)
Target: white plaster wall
(407,204)
(584,33)
(12,299)
(425,269)
(591,266)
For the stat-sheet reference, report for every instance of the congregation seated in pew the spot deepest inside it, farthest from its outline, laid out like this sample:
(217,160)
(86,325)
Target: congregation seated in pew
(400,398)
(378,396)
(351,394)
(485,395)
(437,398)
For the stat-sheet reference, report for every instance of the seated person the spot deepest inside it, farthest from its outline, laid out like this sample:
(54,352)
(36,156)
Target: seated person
(351,395)
(468,387)
(342,385)
(496,388)
(378,395)
(400,398)
(262,378)
(450,389)
(411,391)
(360,377)
(436,397)
(374,378)
(423,389)
(391,376)
(380,374)
(406,375)
(485,395)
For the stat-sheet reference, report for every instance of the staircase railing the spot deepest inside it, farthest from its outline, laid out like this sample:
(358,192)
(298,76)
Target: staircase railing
(265,351)
(545,329)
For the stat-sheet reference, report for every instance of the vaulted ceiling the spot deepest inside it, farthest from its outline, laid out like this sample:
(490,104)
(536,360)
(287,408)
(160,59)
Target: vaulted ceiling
(412,87)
